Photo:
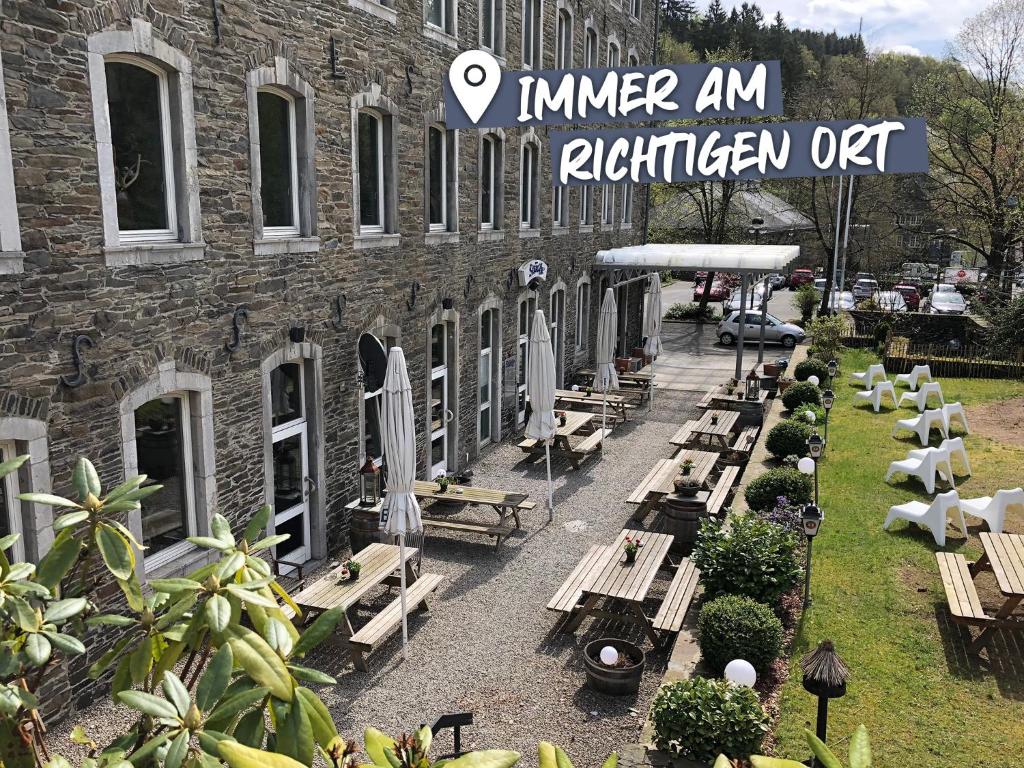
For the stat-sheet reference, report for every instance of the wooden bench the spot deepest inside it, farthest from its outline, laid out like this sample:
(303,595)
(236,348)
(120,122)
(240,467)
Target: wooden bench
(674,606)
(682,436)
(722,489)
(645,495)
(498,532)
(705,402)
(568,595)
(739,451)
(964,604)
(591,442)
(380,627)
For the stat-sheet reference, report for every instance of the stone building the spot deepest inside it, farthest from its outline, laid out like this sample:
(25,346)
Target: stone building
(216,216)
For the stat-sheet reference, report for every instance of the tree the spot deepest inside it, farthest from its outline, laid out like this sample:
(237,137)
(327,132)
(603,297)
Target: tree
(678,16)
(976,134)
(714,28)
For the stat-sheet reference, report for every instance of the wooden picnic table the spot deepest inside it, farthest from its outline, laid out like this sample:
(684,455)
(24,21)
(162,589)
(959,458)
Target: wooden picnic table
(722,400)
(720,430)
(505,503)
(617,404)
(611,579)
(630,382)
(1004,556)
(576,423)
(659,481)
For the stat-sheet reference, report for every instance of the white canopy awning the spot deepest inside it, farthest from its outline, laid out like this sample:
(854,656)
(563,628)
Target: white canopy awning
(699,256)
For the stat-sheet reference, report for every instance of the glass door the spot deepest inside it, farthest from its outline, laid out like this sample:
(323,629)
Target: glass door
(486,391)
(292,484)
(10,512)
(440,414)
(558,335)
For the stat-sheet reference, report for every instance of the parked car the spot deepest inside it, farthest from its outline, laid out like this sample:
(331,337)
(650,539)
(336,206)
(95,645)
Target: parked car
(800,277)
(910,295)
(717,292)
(946,300)
(842,301)
(890,301)
(754,300)
(775,330)
(864,289)
(864,276)
(777,281)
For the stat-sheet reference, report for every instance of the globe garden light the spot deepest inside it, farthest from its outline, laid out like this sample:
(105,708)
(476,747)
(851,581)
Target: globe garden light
(806,465)
(814,380)
(609,656)
(741,672)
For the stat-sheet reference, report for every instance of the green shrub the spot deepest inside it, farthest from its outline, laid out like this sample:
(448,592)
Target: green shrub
(735,627)
(691,312)
(807,300)
(761,492)
(812,366)
(800,393)
(800,414)
(750,556)
(700,718)
(827,333)
(788,438)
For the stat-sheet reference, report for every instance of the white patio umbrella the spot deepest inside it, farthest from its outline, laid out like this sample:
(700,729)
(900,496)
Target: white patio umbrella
(540,388)
(652,326)
(398,435)
(606,378)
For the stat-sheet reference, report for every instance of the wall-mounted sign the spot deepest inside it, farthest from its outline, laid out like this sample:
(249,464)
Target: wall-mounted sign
(533,272)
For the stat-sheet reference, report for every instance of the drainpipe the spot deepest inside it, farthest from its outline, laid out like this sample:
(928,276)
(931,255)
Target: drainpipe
(654,60)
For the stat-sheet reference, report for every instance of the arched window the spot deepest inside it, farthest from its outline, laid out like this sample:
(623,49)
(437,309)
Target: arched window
(533,33)
(371,171)
(279,182)
(373,364)
(374,170)
(488,384)
(33,522)
(441,191)
(563,39)
(635,8)
(529,180)
(557,321)
(492,173)
(527,306)
(582,314)
(492,26)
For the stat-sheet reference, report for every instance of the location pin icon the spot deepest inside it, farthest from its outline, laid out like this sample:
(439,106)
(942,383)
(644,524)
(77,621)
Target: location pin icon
(475,77)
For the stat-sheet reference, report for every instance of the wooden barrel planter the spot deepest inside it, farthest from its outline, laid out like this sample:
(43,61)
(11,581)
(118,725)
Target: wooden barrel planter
(616,681)
(365,529)
(681,517)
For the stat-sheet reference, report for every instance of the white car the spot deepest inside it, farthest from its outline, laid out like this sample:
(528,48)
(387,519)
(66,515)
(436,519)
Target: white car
(946,302)
(864,289)
(777,281)
(842,301)
(775,330)
(890,301)
(754,299)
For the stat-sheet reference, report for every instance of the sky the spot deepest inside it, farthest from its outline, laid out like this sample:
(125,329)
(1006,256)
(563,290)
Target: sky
(908,26)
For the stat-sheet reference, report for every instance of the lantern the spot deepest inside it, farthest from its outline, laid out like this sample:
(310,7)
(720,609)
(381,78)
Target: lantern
(369,484)
(833,368)
(811,519)
(827,399)
(815,445)
(753,386)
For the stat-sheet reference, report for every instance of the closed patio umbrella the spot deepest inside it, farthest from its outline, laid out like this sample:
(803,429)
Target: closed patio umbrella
(652,326)
(398,435)
(606,377)
(540,388)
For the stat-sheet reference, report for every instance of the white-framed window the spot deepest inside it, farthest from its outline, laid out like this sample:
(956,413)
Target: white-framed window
(11,257)
(441,15)
(590,46)
(559,206)
(145,147)
(582,314)
(373,364)
(586,205)
(607,204)
(910,240)
(626,189)
(492,26)
(487,382)
(374,170)
(492,173)
(441,180)
(527,306)
(533,33)
(371,172)
(557,321)
(529,173)
(636,8)
(281,155)
(909,220)
(384,9)
(10,506)
(563,39)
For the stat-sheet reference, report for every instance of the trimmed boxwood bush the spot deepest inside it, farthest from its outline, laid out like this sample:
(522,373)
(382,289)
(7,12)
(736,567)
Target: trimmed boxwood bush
(762,492)
(735,627)
(800,393)
(701,718)
(811,367)
(788,438)
(800,414)
(750,557)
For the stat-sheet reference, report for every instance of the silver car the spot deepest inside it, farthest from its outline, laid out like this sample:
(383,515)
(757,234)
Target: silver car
(890,301)
(754,299)
(842,301)
(777,281)
(775,330)
(863,289)
(946,302)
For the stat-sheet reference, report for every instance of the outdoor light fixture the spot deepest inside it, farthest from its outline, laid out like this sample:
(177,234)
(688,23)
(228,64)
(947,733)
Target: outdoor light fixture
(814,380)
(753,391)
(609,655)
(741,672)
(828,398)
(815,445)
(810,518)
(825,676)
(369,484)
(833,369)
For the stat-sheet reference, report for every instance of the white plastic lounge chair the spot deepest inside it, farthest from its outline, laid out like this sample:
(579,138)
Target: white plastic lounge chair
(917,374)
(992,509)
(923,425)
(954,446)
(874,395)
(924,465)
(932,516)
(955,411)
(920,398)
(867,378)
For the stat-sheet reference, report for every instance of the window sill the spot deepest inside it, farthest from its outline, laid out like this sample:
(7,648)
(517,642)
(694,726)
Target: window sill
(11,262)
(362,242)
(389,15)
(439,238)
(434,33)
(490,236)
(626,226)
(271,246)
(142,254)
(190,559)
(529,234)
(559,231)
(586,228)
(605,227)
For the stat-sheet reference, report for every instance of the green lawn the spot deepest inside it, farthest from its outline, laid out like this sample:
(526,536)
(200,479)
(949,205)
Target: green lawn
(877,596)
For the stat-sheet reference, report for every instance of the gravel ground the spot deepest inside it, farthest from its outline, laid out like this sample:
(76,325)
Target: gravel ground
(488,644)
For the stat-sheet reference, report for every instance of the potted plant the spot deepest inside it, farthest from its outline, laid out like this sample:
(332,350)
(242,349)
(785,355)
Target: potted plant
(442,484)
(622,676)
(561,418)
(631,546)
(590,391)
(785,382)
(714,419)
(686,486)
(353,567)
(687,467)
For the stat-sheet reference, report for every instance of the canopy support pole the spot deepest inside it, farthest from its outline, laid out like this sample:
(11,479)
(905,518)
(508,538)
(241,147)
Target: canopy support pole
(742,327)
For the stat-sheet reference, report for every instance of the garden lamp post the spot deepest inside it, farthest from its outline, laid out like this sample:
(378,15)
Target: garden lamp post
(815,446)
(833,369)
(825,676)
(828,398)
(811,519)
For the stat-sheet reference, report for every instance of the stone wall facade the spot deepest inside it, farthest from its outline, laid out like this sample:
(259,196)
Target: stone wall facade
(168,316)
